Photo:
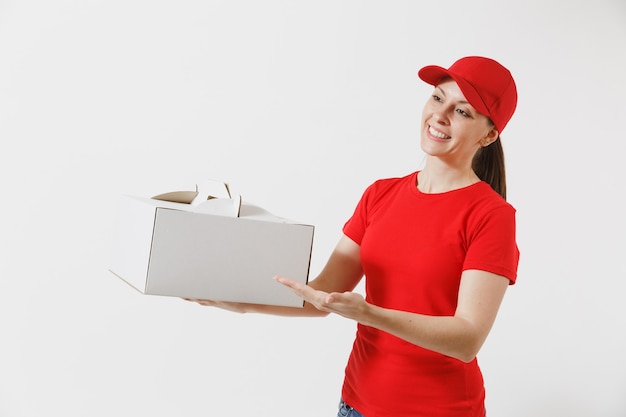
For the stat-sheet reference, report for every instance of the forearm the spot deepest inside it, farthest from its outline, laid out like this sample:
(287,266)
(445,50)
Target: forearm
(448,335)
(307,311)
(451,336)
(461,335)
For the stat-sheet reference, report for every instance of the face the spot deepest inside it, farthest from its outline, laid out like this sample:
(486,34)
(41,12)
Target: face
(451,128)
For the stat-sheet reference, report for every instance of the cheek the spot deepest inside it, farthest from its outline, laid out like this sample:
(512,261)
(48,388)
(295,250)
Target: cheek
(474,132)
(426,113)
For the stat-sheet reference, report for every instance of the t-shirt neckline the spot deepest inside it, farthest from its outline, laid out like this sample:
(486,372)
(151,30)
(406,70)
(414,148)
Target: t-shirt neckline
(413,183)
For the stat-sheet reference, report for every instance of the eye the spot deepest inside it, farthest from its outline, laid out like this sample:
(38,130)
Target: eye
(463,113)
(436,98)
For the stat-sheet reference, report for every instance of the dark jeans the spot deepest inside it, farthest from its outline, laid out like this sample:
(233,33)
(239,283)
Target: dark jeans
(346,411)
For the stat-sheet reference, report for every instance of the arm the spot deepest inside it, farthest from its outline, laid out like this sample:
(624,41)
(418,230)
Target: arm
(342,273)
(460,336)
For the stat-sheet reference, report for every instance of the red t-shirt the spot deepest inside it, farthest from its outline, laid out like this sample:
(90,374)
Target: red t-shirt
(414,247)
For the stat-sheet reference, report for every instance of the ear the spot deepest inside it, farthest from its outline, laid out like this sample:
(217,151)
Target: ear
(490,137)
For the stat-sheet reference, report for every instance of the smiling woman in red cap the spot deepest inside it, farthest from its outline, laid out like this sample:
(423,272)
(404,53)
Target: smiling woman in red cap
(437,249)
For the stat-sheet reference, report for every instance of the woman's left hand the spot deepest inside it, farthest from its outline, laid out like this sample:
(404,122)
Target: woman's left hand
(347,304)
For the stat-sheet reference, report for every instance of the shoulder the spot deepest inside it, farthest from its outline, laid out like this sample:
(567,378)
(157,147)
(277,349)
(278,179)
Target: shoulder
(484,197)
(487,207)
(385,185)
(381,191)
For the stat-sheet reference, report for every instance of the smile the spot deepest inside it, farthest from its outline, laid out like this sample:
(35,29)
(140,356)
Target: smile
(437,133)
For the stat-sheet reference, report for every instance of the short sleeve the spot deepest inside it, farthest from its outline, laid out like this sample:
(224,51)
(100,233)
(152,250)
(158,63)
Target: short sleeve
(354,228)
(492,245)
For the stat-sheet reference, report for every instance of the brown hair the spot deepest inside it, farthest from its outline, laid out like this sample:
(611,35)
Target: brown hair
(488,164)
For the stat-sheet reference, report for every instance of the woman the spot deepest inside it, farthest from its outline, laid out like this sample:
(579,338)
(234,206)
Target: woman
(438,250)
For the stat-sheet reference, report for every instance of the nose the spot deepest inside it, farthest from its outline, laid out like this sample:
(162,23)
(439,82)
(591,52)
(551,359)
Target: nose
(441,116)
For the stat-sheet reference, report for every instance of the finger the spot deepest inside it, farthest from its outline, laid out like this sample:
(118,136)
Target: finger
(309,294)
(208,303)
(287,282)
(299,288)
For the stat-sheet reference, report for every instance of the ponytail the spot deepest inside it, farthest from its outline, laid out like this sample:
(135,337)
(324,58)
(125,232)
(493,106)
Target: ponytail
(488,164)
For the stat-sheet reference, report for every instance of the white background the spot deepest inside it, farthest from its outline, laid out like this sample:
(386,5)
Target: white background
(299,106)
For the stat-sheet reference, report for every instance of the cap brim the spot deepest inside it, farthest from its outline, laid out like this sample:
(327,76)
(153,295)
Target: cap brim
(433,75)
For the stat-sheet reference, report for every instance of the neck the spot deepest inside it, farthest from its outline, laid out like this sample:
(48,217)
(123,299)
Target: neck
(437,177)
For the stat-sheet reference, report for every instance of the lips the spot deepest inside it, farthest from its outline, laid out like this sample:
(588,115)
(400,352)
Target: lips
(437,134)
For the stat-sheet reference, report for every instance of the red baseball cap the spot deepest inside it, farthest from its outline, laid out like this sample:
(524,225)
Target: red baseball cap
(486,84)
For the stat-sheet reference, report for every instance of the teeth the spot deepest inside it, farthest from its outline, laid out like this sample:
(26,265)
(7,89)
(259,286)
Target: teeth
(437,133)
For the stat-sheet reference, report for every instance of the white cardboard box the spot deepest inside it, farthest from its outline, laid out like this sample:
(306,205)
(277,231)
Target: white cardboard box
(219,249)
